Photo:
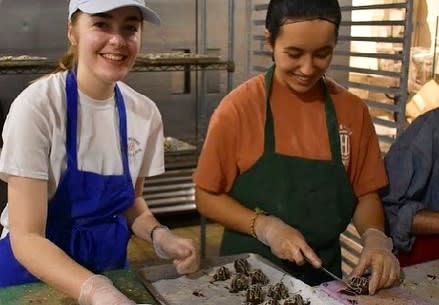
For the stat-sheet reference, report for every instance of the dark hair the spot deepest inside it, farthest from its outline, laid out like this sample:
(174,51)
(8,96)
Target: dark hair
(279,11)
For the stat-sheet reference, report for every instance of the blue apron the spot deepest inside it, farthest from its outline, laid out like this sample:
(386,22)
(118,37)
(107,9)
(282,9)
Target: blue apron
(84,216)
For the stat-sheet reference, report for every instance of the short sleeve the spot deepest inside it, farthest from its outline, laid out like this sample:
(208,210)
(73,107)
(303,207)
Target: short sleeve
(367,169)
(26,136)
(217,165)
(153,161)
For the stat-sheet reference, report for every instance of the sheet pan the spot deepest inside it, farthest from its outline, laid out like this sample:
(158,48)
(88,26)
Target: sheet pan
(169,288)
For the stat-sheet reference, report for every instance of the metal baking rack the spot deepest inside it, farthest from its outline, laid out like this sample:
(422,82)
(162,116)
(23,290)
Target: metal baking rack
(153,63)
(173,191)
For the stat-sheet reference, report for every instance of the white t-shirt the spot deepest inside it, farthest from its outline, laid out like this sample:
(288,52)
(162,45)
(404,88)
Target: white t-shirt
(34,135)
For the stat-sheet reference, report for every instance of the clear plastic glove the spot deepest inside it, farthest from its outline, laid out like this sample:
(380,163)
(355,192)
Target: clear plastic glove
(285,241)
(182,250)
(99,290)
(377,255)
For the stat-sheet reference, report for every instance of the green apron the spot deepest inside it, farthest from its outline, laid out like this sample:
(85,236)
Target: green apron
(313,196)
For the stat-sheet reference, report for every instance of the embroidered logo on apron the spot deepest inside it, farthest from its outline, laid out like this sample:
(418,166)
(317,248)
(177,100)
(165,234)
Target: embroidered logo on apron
(345,144)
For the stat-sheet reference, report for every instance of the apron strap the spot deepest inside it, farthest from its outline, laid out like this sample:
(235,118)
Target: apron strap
(122,129)
(72,114)
(332,126)
(269,142)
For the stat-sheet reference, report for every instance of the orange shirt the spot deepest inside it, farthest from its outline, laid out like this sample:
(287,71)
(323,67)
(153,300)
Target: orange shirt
(235,137)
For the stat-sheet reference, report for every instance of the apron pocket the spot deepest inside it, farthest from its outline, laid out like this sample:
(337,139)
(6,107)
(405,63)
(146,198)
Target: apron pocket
(101,246)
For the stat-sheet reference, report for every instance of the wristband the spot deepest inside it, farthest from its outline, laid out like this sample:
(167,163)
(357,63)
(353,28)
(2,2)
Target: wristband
(159,226)
(258,212)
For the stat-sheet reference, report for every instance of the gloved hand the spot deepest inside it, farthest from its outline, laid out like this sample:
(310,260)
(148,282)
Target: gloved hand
(285,241)
(377,254)
(99,290)
(182,250)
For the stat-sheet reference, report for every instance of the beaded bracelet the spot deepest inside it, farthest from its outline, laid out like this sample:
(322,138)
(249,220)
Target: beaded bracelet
(159,226)
(258,212)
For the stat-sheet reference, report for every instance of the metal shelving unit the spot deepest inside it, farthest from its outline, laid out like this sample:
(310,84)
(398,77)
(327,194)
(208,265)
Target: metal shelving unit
(41,67)
(172,191)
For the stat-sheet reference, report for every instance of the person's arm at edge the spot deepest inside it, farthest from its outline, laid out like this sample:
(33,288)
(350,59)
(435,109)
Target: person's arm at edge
(426,222)
(27,223)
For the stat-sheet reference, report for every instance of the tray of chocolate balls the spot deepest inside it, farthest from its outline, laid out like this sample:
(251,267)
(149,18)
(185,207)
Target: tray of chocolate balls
(245,279)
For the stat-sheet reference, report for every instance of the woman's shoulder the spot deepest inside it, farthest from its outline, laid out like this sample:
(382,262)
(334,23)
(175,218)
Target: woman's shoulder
(253,86)
(246,93)
(345,97)
(46,86)
(349,105)
(424,129)
(43,93)
(136,101)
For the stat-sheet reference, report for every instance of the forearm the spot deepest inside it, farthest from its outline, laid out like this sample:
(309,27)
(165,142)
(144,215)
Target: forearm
(426,222)
(49,263)
(225,210)
(369,213)
(27,218)
(139,216)
(141,219)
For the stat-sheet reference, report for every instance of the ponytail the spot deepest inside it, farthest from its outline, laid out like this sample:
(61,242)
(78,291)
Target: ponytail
(67,61)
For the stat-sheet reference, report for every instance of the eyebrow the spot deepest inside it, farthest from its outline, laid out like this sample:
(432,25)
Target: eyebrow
(324,48)
(109,16)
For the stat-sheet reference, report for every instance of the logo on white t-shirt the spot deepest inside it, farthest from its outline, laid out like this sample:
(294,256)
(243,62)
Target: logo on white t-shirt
(133,148)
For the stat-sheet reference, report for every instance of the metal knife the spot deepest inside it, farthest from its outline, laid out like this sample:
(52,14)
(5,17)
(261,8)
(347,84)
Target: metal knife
(337,278)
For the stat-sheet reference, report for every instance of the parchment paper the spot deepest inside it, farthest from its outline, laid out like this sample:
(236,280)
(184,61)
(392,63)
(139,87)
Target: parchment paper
(201,290)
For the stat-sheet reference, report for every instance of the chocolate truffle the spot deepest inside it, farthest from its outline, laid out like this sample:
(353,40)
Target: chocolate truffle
(296,299)
(258,277)
(278,291)
(241,266)
(222,274)
(357,286)
(255,295)
(239,282)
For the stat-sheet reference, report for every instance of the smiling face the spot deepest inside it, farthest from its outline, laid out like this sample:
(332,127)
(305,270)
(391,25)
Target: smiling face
(302,52)
(107,45)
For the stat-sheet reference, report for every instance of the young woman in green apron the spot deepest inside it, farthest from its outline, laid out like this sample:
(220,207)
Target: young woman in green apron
(77,146)
(306,156)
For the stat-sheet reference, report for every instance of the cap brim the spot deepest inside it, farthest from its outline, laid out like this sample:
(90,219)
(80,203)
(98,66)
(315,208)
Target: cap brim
(106,6)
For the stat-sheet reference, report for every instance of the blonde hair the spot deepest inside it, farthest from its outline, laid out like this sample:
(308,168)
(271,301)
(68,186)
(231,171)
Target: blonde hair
(69,58)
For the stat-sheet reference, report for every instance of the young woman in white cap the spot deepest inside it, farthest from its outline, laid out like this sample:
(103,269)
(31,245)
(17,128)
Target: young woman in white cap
(77,146)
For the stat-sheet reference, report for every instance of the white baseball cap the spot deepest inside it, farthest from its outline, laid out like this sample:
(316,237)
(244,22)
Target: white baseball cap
(101,6)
